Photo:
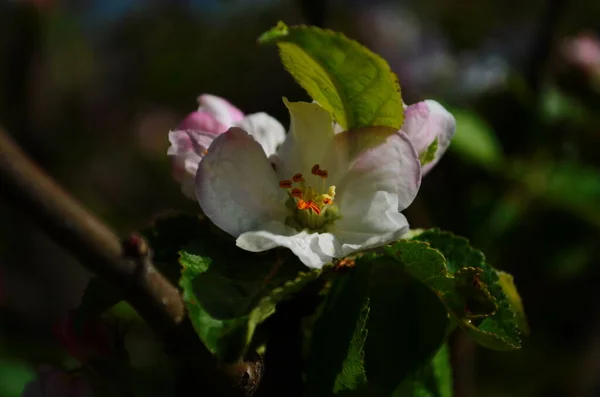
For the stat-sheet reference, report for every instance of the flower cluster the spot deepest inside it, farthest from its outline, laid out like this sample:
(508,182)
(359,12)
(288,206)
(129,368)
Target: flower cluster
(318,190)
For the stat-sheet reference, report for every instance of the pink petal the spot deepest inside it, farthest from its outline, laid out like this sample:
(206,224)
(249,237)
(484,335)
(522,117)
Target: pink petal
(392,166)
(214,115)
(424,122)
(236,185)
(223,111)
(187,149)
(202,120)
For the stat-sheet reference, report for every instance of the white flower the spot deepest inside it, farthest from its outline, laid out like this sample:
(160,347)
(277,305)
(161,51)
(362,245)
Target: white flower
(323,195)
(214,116)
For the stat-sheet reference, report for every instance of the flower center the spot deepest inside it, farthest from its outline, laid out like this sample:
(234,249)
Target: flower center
(312,206)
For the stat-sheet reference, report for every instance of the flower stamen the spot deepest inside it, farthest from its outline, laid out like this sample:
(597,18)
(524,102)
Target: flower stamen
(285,184)
(313,206)
(297,193)
(298,178)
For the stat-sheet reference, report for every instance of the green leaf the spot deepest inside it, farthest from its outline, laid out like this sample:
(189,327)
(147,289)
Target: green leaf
(407,325)
(429,155)
(335,361)
(355,85)
(229,292)
(432,380)
(506,282)
(500,329)
(475,141)
(14,376)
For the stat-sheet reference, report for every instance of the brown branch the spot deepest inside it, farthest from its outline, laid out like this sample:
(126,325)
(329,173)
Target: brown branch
(126,264)
(27,187)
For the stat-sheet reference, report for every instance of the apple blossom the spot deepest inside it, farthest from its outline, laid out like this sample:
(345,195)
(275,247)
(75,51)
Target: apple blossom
(324,195)
(214,116)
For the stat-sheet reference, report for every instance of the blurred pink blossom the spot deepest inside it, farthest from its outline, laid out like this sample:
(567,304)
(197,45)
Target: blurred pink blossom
(583,51)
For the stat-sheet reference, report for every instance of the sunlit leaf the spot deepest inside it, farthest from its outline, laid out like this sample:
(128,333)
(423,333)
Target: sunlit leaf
(354,84)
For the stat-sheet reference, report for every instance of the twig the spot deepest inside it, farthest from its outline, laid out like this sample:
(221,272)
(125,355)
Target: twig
(126,264)
(27,187)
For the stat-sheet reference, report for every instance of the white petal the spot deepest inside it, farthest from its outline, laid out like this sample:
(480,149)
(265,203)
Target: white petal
(425,121)
(223,111)
(392,166)
(313,249)
(369,221)
(265,129)
(236,185)
(311,134)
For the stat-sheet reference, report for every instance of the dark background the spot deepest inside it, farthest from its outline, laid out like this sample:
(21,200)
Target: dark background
(90,89)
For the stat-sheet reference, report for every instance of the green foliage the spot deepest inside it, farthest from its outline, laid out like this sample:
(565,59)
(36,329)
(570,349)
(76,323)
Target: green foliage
(406,327)
(355,85)
(374,314)
(475,141)
(14,376)
(469,288)
(336,351)
(432,380)
(229,292)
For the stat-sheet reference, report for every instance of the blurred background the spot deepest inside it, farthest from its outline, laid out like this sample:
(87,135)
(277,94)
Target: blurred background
(90,88)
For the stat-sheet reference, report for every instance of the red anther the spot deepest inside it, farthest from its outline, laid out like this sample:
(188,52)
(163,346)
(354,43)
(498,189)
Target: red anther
(297,178)
(315,169)
(296,193)
(323,173)
(327,201)
(285,184)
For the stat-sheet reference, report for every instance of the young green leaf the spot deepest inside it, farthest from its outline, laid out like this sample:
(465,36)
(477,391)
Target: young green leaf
(468,286)
(335,361)
(354,84)
(229,292)
(500,330)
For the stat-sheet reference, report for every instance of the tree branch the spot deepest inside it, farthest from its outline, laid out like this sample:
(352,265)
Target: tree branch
(126,264)
(27,187)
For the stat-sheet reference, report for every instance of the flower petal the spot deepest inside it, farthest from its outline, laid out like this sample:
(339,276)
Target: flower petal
(424,123)
(214,115)
(369,220)
(187,148)
(223,111)
(201,120)
(265,129)
(313,249)
(311,134)
(392,166)
(236,185)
